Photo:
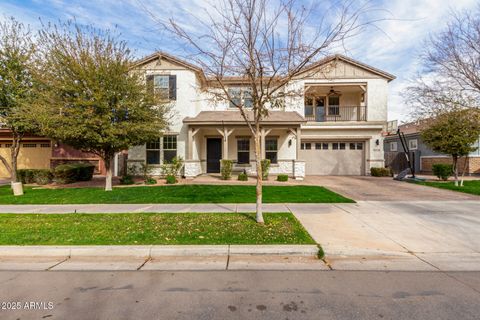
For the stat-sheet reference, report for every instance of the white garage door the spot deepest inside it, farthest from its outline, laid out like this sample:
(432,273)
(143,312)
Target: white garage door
(333,157)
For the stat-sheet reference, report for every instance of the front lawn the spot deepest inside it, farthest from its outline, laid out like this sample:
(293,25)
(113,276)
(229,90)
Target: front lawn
(173,194)
(472,186)
(150,228)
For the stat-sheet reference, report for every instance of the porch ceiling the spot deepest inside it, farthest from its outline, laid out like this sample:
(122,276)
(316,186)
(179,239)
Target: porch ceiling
(234,117)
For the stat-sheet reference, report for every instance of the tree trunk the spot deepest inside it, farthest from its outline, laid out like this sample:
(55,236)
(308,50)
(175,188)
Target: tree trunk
(455,169)
(6,164)
(14,151)
(258,157)
(464,169)
(108,166)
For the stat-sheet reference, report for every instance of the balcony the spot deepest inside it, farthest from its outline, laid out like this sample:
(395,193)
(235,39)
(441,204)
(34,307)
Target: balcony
(334,113)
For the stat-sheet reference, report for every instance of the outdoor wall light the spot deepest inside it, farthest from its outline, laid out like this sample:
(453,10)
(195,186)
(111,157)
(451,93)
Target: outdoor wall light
(377,142)
(289,142)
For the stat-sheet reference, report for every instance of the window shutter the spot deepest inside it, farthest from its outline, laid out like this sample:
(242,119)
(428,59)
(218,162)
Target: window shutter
(172,85)
(150,83)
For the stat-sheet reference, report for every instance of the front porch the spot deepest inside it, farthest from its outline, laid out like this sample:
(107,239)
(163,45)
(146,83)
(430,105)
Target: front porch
(217,135)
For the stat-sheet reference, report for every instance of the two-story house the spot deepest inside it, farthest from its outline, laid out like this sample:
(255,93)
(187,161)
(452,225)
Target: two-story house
(334,127)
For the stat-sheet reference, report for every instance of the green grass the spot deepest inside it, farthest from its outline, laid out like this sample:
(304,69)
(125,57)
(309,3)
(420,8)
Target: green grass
(472,187)
(173,194)
(150,228)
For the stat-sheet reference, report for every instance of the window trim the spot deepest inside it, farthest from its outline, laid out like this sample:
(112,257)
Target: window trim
(242,93)
(154,149)
(243,151)
(272,151)
(410,146)
(175,143)
(393,143)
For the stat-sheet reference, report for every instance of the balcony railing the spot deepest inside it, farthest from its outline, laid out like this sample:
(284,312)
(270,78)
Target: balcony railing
(337,114)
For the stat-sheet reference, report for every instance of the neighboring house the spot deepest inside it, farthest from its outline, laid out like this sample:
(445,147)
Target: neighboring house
(333,128)
(423,156)
(43,153)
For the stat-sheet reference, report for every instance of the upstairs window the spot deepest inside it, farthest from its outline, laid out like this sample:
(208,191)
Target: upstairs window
(240,97)
(271,149)
(393,146)
(243,151)
(334,105)
(163,85)
(413,144)
(308,106)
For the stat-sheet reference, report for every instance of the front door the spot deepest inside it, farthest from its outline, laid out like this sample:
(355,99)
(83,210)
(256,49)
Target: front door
(214,154)
(320,109)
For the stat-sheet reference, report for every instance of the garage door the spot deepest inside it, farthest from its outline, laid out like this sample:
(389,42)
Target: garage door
(333,157)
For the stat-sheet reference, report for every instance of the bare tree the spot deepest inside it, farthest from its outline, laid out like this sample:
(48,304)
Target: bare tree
(451,61)
(266,44)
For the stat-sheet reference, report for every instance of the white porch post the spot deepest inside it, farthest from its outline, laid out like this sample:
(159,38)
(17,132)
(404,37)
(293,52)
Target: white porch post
(192,167)
(225,134)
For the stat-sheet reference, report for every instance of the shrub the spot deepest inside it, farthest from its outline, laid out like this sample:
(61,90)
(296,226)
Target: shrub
(282,177)
(242,177)
(226,167)
(265,168)
(68,173)
(126,179)
(442,171)
(173,167)
(150,180)
(380,172)
(171,179)
(39,176)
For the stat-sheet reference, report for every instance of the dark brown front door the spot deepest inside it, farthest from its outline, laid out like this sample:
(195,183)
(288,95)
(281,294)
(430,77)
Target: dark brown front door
(214,154)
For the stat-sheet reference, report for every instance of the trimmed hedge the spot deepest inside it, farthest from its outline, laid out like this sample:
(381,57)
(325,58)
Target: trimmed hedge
(171,179)
(69,173)
(38,176)
(442,171)
(242,177)
(282,177)
(226,167)
(380,172)
(265,168)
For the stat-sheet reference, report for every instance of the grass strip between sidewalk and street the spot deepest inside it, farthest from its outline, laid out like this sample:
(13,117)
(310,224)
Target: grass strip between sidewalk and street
(150,229)
(173,194)
(471,187)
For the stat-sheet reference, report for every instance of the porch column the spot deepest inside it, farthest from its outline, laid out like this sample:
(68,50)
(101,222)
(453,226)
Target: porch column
(191,135)
(298,136)
(263,134)
(225,134)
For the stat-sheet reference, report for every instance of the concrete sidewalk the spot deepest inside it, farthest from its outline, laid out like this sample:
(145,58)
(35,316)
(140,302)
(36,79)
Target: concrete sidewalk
(194,257)
(134,208)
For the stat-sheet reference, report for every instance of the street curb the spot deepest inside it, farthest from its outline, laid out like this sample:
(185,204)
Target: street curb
(155,251)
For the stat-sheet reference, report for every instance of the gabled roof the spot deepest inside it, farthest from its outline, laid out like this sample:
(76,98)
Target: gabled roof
(163,55)
(354,62)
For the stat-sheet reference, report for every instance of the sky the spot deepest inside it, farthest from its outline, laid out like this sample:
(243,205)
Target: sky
(394,45)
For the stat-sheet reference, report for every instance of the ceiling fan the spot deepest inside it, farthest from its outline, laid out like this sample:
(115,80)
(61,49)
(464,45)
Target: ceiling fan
(333,92)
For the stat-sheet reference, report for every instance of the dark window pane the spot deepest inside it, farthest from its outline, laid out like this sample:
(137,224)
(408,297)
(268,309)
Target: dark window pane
(271,144)
(352,146)
(153,157)
(335,146)
(235,95)
(325,146)
(153,144)
(342,146)
(308,146)
(168,155)
(247,99)
(243,157)
(359,146)
(272,156)
(170,142)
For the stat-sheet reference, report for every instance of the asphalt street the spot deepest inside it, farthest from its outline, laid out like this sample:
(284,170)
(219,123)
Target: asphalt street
(240,295)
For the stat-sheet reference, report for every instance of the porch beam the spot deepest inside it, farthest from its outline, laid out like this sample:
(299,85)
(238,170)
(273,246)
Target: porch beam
(190,143)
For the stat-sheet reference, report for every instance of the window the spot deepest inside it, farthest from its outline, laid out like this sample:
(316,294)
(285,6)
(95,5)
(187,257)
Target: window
(271,149)
(240,97)
(8,145)
(243,151)
(334,105)
(308,106)
(153,152)
(413,144)
(44,145)
(393,146)
(338,146)
(169,148)
(356,146)
(306,146)
(29,145)
(321,146)
(164,85)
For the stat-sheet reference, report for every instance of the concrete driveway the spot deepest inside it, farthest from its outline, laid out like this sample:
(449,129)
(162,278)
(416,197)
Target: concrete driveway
(384,189)
(381,235)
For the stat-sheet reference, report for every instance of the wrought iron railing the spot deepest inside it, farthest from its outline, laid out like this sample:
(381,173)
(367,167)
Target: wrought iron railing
(338,113)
